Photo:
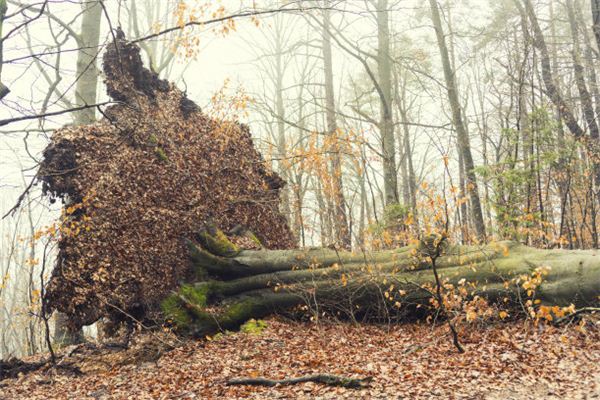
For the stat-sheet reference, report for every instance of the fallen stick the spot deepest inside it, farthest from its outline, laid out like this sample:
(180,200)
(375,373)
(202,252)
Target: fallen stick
(577,313)
(330,380)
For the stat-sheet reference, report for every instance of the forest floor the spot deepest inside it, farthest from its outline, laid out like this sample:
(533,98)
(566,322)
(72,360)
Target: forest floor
(514,360)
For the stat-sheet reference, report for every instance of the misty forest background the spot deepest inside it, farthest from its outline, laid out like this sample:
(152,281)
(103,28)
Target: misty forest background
(386,118)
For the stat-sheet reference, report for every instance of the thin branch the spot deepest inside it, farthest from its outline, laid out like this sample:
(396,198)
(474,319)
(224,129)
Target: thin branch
(53,113)
(16,28)
(21,198)
(226,18)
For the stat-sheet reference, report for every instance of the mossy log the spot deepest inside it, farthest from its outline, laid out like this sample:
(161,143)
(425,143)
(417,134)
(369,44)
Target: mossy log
(390,285)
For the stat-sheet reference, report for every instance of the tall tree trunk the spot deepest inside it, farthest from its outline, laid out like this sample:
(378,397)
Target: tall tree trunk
(589,114)
(411,184)
(386,124)
(547,75)
(4,90)
(584,94)
(280,110)
(324,218)
(87,72)
(85,94)
(341,221)
(596,20)
(590,64)
(563,180)
(463,214)
(363,210)
(459,124)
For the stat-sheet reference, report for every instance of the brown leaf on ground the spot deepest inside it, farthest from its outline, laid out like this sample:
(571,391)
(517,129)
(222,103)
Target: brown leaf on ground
(505,361)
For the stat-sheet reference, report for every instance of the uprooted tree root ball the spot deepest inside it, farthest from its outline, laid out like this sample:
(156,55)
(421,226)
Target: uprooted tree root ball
(140,182)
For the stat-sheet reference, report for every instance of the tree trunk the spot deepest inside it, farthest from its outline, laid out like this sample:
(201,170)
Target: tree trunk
(596,20)
(392,285)
(85,93)
(410,183)
(87,72)
(584,94)
(547,75)
(459,124)
(343,237)
(386,123)
(281,115)
(4,90)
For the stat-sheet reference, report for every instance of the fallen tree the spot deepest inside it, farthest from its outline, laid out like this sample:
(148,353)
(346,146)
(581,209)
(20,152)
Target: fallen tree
(391,285)
(147,188)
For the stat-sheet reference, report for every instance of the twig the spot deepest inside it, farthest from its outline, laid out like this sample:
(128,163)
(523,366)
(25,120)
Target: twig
(330,380)
(53,113)
(580,311)
(443,308)
(44,313)
(433,247)
(21,197)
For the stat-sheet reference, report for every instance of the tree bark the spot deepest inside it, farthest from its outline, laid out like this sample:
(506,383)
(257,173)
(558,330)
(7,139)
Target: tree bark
(87,72)
(386,123)
(392,285)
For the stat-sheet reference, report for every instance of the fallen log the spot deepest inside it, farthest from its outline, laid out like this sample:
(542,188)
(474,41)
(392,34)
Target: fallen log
(329,380)
(392,285)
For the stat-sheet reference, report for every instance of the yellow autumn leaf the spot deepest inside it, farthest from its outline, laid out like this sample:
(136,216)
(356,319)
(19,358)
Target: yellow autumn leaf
(471,315)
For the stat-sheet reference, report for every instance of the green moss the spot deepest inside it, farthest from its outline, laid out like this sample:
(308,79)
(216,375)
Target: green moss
(175,312)
(152,139)
(253,237)
(231,318)
(184,308)
(160,154)
(238,312)
(253,326)
(196,294)
(218,244)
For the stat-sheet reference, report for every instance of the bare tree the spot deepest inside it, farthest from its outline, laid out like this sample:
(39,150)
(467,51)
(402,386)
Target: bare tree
(386,124)
(458,121)
(341,221)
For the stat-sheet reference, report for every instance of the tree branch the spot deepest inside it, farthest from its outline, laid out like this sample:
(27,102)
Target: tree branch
(225,18)
(53,113)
